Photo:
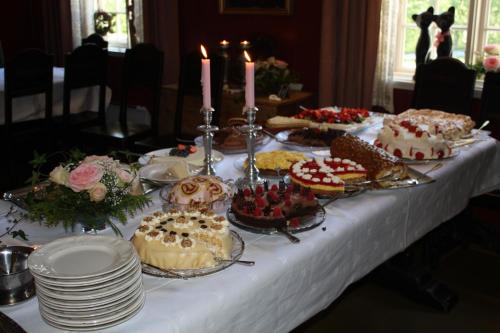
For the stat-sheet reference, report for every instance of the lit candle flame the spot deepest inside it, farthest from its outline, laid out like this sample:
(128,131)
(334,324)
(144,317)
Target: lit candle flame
(203,51)
(247,56)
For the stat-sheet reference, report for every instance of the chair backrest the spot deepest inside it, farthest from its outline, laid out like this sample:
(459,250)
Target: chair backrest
(2,58)
(85,66)
(97,40)
(28,73)
(490,98)
(189,85)
(444,84)
(143,70)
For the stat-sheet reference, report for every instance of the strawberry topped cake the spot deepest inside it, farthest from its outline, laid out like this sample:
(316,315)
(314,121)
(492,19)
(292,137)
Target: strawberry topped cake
(344,116)
(273,206)
(407,139)
(326,175)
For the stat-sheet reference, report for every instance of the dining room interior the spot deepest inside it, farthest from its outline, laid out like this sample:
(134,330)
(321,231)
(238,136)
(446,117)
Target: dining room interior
(250,166)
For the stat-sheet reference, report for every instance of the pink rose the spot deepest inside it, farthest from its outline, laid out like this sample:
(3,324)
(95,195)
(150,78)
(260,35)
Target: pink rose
(124,175)
(493,49)
(280,64)
(491,63)
(96,158)
(84,177)
(98,192)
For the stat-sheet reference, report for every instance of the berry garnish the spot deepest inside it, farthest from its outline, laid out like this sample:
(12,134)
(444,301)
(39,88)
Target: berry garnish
(259,202)
(288,203)
(257,211)
(180,146)
(247,192)
(398,153)
(192,149)
(259,189)
(274,187)
(418,134)
(277,211)
(440,154)
(419,155)
(294,222)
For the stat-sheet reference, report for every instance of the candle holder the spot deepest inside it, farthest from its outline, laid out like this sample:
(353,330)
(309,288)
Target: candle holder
(251,177)
(208,136)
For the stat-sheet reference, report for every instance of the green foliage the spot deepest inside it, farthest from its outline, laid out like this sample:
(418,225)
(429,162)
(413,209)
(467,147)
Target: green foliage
(57,204)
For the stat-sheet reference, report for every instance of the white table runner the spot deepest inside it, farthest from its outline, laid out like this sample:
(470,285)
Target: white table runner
(291,282)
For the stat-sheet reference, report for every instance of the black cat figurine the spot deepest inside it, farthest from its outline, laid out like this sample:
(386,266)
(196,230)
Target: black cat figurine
(443,42)
(423,21)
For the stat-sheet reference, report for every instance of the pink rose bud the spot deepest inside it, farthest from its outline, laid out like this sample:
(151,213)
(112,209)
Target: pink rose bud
(491,63)
(84,177)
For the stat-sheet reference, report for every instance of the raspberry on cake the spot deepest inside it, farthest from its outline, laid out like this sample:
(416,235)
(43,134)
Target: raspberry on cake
(273,207)
(408,139)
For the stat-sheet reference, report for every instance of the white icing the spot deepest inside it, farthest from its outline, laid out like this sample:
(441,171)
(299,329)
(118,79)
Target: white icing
(337,160)
(307,176)
(316,180)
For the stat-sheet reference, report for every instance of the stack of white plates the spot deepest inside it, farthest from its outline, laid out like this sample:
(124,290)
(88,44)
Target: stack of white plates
(87,282)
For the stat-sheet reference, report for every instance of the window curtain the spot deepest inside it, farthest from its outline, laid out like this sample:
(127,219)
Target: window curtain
(383,87)
(161,28)
(349,40)
(53,19)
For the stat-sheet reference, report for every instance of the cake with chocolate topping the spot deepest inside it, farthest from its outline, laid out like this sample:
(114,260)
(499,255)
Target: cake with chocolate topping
(326,175)
(183,240)
(314,137)
(377,162)
(231,138)
(273,206)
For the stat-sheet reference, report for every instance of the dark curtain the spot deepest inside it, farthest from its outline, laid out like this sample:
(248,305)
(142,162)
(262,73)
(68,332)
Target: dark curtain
(53,27)
(349,41)
(161,28)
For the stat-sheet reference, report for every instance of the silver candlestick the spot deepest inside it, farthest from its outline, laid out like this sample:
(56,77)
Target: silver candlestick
(251,178)
(208,136)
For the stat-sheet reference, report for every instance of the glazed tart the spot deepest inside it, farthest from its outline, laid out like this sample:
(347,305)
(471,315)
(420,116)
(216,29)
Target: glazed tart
(198,192)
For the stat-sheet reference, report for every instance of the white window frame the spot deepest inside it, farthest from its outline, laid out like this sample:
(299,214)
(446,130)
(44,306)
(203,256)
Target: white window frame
(477,28)
(116,43)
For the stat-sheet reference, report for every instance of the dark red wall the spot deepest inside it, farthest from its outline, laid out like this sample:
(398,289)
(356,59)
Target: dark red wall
(297,35)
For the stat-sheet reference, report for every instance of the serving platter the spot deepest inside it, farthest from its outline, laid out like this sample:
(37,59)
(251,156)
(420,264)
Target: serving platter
(196,159)
(305,223)
(236,253)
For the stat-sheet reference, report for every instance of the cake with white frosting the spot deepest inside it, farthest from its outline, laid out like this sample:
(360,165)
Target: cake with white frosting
(326,175)
(408,139)
(183,240)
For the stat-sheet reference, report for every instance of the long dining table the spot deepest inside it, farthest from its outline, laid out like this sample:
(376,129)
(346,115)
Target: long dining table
(33,107)
(290,283)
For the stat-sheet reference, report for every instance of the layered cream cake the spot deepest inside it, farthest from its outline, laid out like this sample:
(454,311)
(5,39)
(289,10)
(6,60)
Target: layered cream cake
(183,240)
(451,126)
(408,139)
(326,175)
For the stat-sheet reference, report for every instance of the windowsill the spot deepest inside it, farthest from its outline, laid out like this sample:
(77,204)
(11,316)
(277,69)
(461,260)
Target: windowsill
(117,50)
(405,82)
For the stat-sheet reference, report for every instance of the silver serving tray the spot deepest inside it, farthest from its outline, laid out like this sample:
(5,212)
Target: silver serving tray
(416,178)
(307,222)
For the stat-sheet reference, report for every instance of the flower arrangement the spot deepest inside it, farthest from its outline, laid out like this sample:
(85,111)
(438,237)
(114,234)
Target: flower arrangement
(271,75)
(91,191)
(489,61)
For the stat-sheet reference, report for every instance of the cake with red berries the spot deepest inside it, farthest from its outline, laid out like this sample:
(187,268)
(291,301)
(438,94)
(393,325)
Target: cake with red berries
(273,206)
(377,162)
(326,175)
(407,139)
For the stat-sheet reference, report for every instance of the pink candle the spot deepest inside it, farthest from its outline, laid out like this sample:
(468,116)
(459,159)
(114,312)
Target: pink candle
(249,80)
(205,79)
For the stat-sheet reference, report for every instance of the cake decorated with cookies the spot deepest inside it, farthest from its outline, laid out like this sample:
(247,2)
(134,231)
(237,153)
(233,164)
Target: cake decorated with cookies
(326,175)
(273,206)
(408,139)
(183,239)
(197,192)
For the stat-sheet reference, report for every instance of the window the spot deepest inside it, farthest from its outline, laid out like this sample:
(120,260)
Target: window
(118,14)
(477,23)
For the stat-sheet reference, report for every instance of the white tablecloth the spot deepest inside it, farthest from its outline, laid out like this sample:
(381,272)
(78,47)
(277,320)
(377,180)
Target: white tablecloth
(292,282)
(33,107)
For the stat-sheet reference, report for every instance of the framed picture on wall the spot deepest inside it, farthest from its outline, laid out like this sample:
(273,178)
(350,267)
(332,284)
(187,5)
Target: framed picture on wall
(257,7)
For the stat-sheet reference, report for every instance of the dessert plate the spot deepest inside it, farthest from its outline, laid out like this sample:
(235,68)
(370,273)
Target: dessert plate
(282,137)
(236,253)
(195,159)
(265,140)
(81,257)
(305,223)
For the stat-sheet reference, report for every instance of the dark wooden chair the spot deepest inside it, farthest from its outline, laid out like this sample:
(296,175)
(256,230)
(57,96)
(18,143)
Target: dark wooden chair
(97,40)
(444,84)
(85,67)
(142,75)
(29,73)
(490,98)
(189,85)
(2,58)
